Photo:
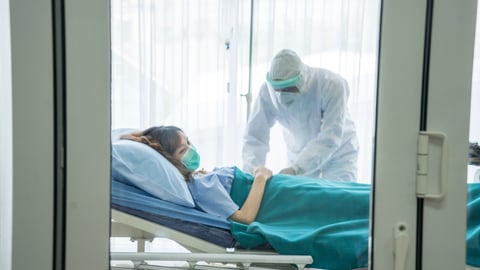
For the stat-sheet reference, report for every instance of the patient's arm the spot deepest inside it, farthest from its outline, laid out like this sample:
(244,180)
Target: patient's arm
(249,210)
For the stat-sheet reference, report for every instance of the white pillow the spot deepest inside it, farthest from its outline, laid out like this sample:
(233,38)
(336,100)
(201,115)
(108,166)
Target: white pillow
(142,166)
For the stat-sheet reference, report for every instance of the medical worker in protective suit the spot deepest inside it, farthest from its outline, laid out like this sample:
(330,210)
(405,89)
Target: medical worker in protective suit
(311,106)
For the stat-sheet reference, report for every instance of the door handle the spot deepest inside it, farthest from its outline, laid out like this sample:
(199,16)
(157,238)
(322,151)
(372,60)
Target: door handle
(422,165)
(401,238)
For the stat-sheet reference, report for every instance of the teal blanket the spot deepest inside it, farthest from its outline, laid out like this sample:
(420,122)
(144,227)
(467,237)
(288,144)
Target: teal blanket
(473,225)
(325,219)
(305,216)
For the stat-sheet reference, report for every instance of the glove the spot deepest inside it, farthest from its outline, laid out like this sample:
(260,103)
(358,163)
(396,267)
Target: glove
(288,170)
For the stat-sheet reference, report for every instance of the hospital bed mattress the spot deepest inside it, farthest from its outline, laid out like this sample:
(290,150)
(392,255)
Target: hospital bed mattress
(214,235)
(136,202)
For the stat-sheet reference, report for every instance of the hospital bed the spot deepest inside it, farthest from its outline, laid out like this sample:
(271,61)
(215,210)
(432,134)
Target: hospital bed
(143,217)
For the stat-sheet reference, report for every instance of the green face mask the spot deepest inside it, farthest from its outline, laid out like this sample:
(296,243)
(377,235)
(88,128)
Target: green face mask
(191,159)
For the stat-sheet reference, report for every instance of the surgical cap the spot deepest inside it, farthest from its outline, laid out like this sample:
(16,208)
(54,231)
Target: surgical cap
(285,65)
(286,70)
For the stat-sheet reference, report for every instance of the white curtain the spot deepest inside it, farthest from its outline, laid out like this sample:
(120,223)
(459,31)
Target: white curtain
(190,62)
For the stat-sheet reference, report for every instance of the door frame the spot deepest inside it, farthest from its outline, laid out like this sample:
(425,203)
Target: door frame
(399,121)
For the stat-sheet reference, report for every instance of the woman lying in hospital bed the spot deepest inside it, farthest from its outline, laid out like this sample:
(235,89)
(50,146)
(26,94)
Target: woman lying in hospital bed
(210,195)
(295,215)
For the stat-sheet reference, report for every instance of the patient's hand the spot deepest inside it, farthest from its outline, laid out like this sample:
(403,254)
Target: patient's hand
(248,212)
(262,173)
(202,171)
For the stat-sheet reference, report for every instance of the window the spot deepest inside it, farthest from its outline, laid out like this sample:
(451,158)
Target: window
(190,63)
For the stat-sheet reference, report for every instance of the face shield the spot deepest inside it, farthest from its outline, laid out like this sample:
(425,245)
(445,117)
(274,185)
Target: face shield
(284,85)
(286,90)
(286,76)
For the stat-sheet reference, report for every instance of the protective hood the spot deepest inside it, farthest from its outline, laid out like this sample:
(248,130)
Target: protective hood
(286,70)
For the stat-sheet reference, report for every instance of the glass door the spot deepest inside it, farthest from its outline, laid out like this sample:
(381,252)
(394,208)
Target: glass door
(393,212)
(181,64)
(474,159)
(450,81)
(422,134)
(55,130)
(199,65)
(473,174)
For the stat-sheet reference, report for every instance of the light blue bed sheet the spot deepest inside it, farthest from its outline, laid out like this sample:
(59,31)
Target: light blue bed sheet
(133,197)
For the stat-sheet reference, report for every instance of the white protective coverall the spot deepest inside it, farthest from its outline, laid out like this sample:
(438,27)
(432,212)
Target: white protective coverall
(317,128)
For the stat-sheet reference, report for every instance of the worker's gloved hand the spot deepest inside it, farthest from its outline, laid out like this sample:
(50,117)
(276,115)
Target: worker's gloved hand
(288,170)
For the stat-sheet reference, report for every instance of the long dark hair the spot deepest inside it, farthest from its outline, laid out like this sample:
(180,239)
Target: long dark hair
(165,140)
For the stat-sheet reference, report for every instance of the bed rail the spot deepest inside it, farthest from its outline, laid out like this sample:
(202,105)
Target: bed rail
(245,260)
